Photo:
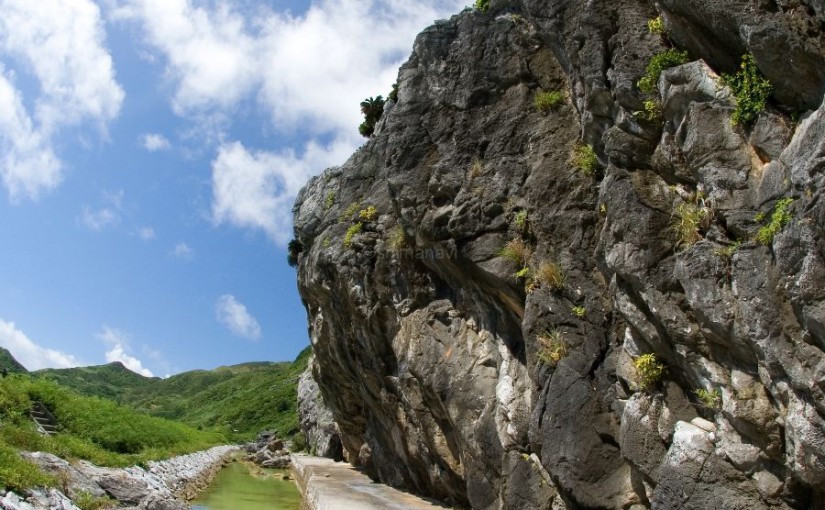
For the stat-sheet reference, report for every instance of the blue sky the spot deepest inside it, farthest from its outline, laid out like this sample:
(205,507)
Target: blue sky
(150,153)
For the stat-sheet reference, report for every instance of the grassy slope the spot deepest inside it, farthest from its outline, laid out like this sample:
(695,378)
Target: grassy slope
(244,398)
(92,428)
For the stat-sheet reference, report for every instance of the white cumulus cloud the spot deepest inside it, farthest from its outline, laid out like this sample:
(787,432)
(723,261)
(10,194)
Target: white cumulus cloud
(29,354)
(118,342)
(257,189)
(154,142)
(234,315)
(307,72)
(61,43)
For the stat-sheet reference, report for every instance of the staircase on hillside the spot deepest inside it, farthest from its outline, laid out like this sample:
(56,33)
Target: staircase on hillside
(46,423)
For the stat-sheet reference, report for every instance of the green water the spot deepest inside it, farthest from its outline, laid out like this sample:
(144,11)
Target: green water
(235,488)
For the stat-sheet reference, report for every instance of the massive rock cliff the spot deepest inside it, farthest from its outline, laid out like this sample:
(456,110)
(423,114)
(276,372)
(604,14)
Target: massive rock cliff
(522,379)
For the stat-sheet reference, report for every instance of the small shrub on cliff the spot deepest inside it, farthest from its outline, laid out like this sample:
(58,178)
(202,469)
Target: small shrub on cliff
(517,251)
(476,168)
(330,201)
(709,399)
(689,221)
(656,26)
(482,5)
(726,252)
(751,89)
(579,311)
(583,157)
(372,108)
(648,371)
(550,275)
(551,347)
(368,214)
(521,222)
(393,95)
(352,231)
(350,211)
(397,240)
(652,111)
(649,83)
(547,100)
(779,218)
(293,250)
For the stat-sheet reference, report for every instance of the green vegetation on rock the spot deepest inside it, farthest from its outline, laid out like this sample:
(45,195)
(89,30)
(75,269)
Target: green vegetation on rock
(709,399)
(352,231)
(658,63)
(751,90)
(372,108)
(656,26)
(648,371)
(293,249)
(583,157)
(689,221)
(779,218)
(482,5)
(547,100)
(551,347)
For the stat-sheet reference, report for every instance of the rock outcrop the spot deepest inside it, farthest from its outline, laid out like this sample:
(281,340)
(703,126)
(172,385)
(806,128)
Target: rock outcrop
(316,419)
(268,451)
(653,335)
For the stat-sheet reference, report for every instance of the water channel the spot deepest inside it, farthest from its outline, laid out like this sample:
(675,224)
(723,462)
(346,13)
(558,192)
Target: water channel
(241,486)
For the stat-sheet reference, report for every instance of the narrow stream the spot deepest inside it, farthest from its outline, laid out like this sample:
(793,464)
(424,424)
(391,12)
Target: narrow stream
(236,488)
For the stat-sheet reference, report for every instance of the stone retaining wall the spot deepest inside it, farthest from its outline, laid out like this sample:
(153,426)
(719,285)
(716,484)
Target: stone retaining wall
(164,485)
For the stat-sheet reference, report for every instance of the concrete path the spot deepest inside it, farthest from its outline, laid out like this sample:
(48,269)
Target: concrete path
(329,485)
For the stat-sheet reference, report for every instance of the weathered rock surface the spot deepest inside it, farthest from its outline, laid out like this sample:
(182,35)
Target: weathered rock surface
(316,419)
(433,356)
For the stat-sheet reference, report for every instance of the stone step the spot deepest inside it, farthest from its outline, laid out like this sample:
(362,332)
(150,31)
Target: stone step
(43,418)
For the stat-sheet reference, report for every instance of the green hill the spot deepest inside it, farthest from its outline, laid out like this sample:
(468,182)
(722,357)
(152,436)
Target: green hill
(113,381)
(10,364)
(90,428)
(240,399)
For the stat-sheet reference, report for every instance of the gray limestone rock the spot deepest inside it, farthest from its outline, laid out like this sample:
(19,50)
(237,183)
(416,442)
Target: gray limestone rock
(452,360)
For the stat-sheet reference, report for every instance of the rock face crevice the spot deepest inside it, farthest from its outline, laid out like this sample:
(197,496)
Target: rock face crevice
(434,352)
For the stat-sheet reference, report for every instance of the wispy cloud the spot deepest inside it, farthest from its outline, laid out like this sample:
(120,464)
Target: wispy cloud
(61,45)
(154,142)
(99,219)
(308,72)
(146,233)
(182,251)
(234,315)
(118,342)
(105,216)
(30,354)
